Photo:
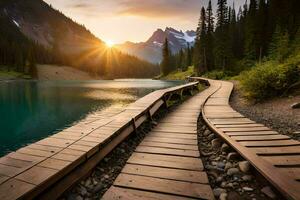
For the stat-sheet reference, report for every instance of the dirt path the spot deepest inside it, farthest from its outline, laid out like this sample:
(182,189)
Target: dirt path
(53,72)
(276,113)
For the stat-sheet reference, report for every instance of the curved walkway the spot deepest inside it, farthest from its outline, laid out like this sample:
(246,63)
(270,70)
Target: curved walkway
(167,164)
(275,156)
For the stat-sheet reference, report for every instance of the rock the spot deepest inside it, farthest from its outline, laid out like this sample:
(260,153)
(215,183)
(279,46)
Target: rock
(219,179)
(268,192)
(211,136)
(248,189)
(232,171)
(98,187)
(218,191)
(82,191)
(78,198)
(232,195)
(74,197)
(220,165)
(228,165)
(154,123)
(88,182)
(247,178)
(229,185)
(233,156)
(295,105)
(223,184)
(216,143)
(244,166)
(206,132)
(225,148)
(223,196)
(296,133)
(122,151)
(106,176)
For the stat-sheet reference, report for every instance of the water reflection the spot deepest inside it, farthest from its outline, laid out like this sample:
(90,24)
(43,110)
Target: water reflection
(33,110)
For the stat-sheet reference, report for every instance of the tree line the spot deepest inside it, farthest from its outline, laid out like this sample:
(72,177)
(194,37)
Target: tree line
(232,38)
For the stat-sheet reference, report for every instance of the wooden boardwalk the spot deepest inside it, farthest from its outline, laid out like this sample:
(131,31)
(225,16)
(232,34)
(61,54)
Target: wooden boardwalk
(45,169)
(275,156)
(167,164)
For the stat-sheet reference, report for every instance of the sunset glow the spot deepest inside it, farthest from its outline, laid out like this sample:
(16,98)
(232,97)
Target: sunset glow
(131,20)
(109,43)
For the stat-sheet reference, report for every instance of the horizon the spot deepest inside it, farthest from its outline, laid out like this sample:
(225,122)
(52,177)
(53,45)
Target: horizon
(106,19)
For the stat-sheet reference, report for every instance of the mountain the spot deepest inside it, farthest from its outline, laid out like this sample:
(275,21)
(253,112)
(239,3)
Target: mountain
(151,49)
(41,29)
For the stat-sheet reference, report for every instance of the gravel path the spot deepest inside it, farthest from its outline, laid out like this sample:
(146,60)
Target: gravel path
(276,113)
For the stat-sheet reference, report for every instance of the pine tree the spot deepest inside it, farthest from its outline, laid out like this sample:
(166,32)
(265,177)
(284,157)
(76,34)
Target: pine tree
(279,47)
(251,43)
(200,60)
(165,64)
(209,37)
(180,64)
(222,47)
(188,57)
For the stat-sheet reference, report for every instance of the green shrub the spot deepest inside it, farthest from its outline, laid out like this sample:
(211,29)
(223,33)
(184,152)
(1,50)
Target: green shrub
(217,74)
(270,78)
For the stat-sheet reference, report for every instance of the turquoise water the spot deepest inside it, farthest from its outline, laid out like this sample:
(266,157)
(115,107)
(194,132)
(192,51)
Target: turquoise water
(32,110)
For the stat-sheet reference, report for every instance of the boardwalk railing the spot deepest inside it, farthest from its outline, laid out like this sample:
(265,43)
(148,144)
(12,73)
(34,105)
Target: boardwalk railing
(45,169)
(275,156)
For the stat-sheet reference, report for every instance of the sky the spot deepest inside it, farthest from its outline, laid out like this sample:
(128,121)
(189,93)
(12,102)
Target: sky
(117,21)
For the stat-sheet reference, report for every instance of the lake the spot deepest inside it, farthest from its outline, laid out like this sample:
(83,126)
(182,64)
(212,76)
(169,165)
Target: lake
(32,110)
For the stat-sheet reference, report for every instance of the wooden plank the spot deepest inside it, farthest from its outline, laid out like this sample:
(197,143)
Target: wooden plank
(173,135)
(15,162)
(36,175)
(246,129)
(54,164)
(252,133)
(166,173)
(55,142)
(117,193)
(293,172)
(194,190)
(44,148)
(171,140)
(166,151)
(9,170)
(3,178)
(275,143)
(25,157)
(277,150)
(170,146)
(283,160)
(176,162)
(260,137)
(14,189)
(238,125)
(35,152)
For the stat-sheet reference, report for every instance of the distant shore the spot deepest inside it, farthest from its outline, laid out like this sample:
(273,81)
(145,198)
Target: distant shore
(53,72)
(49,72)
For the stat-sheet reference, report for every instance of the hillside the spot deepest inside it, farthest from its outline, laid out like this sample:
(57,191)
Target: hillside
(44,35)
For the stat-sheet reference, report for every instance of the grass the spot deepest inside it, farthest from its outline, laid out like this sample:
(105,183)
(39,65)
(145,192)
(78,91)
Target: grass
(178,75)
(11,74)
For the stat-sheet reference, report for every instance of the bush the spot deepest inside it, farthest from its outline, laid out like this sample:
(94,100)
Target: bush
(217,75)
(270,79)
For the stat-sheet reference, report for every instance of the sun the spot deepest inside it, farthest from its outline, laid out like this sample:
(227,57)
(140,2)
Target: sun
(109,43)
